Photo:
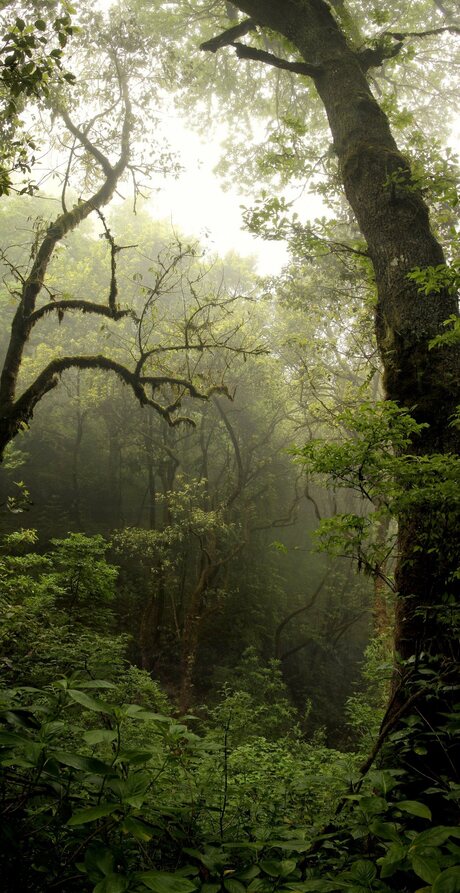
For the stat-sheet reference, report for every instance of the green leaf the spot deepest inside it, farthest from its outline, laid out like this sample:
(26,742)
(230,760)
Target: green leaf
(435,836)
(83,816)
(258,884)
(90,703)
(295,846)
(319,885)
(136,828)
(76,761)
(425,866)
(165,882)
(24,718)
(384,830)
(364,871)
(414,808)
(113,883)
(11,738)
(393,860)
(213,859)
(287,867)
(40,25)
(280,547)
(135,757)
(233,886)
(448,881)
(249,873)
(98,860)
(373,805)
(99,736)
(131,790)
(135,711)
(278,869)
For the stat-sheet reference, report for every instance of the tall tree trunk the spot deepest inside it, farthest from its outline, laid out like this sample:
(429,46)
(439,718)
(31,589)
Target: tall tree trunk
(392,216)
(195,614)
(151,486)
(151,624)
(394,219)
(114,470)
(76,449)
(190,635)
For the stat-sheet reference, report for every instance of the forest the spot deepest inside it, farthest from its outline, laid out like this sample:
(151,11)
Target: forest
(229,487)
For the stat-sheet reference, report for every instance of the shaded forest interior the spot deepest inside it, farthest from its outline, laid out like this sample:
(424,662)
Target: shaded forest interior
(229,557)
(210,524)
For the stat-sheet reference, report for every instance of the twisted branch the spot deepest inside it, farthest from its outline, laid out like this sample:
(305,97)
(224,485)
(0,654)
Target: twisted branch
(305,68)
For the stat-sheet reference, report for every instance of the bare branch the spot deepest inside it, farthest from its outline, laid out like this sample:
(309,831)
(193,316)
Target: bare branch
(84,141)
(76,304)
(55,232)
(19,414)
(246,52)
(374,57)
(236,449)
(296,613)
(227,37)
(290,518)
(114,249)
(67,176)
(402,35)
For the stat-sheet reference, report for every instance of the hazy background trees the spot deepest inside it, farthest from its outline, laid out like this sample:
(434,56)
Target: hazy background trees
(208,476)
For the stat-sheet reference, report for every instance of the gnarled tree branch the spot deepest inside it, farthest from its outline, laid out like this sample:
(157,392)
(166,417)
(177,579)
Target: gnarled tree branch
(14,413)
(20,413)
(296,613)
(83,306)
(247,52)
(432,32)
(374,57)
(227,37)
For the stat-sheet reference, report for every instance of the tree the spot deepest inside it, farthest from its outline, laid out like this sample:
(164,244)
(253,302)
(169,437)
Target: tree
(388,203)
(16,411)
(97,461)
(108,131)
(31,66)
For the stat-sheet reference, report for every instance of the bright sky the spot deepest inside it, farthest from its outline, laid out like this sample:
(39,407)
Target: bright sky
(197,204)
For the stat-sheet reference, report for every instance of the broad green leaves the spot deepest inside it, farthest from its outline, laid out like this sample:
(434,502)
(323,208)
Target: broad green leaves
(448,881)
(374,459)
(415,808)
(84,816)
(106,805)
(164,882)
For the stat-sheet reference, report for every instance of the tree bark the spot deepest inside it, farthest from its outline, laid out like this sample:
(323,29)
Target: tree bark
(152,623)
(76,448)
(394,220)
(191,632)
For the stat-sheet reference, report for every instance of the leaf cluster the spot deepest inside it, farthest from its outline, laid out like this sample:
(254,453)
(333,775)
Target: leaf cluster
(378,460)
(31,65)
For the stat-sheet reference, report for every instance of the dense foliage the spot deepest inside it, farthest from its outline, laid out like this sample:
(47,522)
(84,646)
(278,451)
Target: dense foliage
(105,789)
(229,569)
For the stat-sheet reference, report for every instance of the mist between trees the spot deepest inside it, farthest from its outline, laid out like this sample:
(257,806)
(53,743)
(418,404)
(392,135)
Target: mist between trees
(229,563)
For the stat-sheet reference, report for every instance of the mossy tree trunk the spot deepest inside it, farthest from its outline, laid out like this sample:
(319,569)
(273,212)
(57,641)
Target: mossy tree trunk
(394,220)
